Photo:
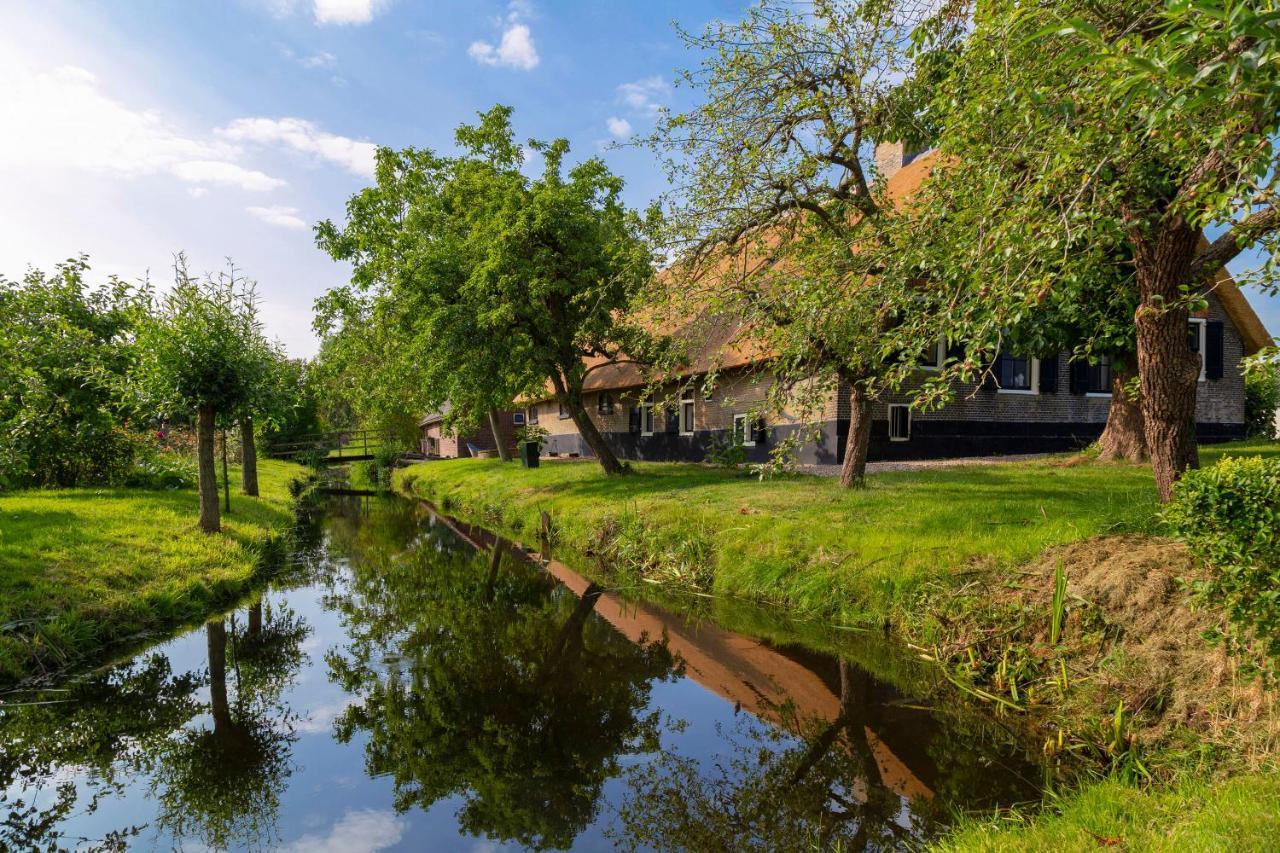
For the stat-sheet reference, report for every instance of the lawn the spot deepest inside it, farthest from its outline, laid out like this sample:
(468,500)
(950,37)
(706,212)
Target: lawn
(802,541)
(83,568)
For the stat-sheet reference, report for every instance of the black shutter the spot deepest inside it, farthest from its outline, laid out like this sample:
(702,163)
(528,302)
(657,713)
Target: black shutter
(759,432)
(673,420)
(955,351)
(1213,337)
(633,419)
(1079,377)
(1049,375)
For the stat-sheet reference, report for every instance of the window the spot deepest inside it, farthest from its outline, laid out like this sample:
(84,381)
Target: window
(744,430)
(604,403)
(517,418)
(531,415)
(1100,377)
(686,417)
(899,422)
(564,413)
(646,418)
(1016,374)
(1196,340)
(933,357)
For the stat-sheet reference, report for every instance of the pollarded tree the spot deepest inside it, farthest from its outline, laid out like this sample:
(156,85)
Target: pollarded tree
(476,282)
(200,350)
(778,215)
(1110,129)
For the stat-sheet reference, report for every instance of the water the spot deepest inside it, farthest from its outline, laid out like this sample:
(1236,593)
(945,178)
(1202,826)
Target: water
(399,689)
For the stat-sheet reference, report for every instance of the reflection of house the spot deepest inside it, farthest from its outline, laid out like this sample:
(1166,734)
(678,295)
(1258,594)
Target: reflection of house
(1027,405)
(435,441)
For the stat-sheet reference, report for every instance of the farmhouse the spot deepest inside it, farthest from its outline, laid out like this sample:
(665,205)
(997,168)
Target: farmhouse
(1026,405)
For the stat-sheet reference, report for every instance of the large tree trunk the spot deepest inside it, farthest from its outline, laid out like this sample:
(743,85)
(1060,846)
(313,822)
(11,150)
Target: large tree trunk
(1124,437)
(248,458)
(208,478)
(853,473)
(504,452)
(1168,370)
(571,399)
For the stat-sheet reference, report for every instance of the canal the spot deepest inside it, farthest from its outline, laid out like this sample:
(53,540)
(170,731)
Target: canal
(409,683)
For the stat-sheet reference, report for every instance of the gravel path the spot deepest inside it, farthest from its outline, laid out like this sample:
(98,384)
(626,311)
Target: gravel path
(921,464)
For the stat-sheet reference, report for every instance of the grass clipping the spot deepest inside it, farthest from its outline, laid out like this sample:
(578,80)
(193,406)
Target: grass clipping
(1132,678)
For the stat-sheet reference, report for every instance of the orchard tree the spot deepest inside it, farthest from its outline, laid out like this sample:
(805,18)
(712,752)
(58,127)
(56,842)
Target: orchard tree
(778,215)
(1075,135)
(473,282)
(200,351)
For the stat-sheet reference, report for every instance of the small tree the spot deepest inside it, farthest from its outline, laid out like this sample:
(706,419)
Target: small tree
(200,351)
(778,215)
(473,283)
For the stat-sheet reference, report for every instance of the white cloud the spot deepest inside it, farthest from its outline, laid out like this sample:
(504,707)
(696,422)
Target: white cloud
(619,127)
(284,217)
(345,11)
(227,174)
(363,831)
(515,50)
(319,59)
(198,192)
(304,136)
(67,122)
(645,95)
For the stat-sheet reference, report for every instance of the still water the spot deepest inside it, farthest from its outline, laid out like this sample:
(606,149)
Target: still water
(405,685)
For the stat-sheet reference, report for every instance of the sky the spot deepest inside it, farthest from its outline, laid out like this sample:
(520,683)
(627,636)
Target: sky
(227,128)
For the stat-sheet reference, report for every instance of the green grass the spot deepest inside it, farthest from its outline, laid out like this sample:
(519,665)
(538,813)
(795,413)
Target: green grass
(1242,813)
(804,542)
(83,568)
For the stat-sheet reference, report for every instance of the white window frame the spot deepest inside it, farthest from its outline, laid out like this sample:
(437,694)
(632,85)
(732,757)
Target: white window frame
(906,437)
(1035,380)
(646,418)
(687,401)
(517,418)
(1204,341)
(600,398)
(748,434)
(531,415)
(563,411)
(939,356)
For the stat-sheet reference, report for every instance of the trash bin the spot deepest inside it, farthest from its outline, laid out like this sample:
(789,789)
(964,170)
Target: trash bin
(529,454)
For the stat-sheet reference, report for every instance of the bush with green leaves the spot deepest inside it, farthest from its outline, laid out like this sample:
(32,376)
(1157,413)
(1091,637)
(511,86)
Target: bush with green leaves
(1229,516)
(727,451)
(161,467)
(1261,399)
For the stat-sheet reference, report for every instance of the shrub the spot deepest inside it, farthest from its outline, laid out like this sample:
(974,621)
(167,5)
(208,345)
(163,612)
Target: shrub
(162,468)
(1229,515)
(1261,398)
(727,451)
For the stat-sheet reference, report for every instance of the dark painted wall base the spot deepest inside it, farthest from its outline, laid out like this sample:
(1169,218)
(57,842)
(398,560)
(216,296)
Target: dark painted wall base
(929,440)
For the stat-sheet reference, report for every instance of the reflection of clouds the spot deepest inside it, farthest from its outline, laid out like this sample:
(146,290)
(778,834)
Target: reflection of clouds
(361,831)
(320,719)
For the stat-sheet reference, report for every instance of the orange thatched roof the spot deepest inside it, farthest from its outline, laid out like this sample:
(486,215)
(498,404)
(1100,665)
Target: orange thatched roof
(722,343)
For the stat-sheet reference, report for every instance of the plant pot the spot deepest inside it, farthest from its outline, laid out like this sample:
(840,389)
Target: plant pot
(529,454)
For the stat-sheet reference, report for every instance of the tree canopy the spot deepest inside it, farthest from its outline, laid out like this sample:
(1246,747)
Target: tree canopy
(474,283)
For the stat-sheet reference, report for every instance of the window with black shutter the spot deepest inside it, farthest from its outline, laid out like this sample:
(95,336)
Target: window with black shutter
(633,420)
(1214,340)
(742,430)
(1079,377)
(1015,373)
(531,416)
(604,403)
(1049,375)
(759,432)
(899,422)
(564,413)
(1099,381)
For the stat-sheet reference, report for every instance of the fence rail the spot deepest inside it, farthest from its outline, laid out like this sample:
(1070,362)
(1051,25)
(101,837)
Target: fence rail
(338,446)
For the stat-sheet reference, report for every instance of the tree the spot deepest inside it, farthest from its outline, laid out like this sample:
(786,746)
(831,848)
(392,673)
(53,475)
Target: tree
(200,350)
(1116,130)
(473,283)
(779,217)
(66,348)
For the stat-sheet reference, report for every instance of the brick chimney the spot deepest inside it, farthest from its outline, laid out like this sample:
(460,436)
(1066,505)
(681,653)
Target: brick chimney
(890,157)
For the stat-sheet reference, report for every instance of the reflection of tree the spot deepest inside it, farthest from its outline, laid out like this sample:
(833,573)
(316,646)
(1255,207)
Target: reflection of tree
(824,790)
(98,724)
(221,784)
(493,685)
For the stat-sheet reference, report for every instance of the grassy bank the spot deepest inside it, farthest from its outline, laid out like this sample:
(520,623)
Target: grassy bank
(83,568)
(962,561)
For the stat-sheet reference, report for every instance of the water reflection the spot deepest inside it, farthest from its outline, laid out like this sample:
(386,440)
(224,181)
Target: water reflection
(411,682)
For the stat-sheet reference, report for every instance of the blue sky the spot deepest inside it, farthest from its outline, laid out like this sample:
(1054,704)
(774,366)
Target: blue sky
(132,130)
